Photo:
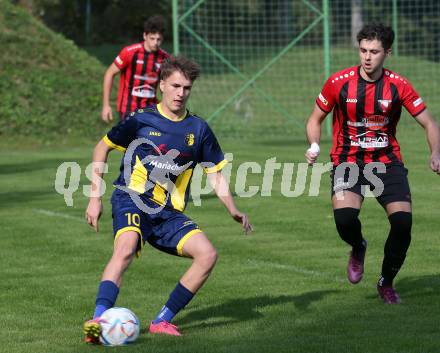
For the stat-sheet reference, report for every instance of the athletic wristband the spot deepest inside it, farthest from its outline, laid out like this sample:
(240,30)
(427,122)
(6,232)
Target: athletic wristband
(314,148)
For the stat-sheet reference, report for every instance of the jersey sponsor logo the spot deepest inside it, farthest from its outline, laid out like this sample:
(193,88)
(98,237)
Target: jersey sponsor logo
(150,78)
(141,62)
(363,141)
(322,99)
(166,165)
(143,91)
(373,122)
(189,139)
(417,102)
(119,60)
(155,133)
(351,100)
(162,149)
(376,122)
(384,103)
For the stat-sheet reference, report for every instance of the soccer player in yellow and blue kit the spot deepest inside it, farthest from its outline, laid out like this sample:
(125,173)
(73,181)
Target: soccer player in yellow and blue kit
(162,145)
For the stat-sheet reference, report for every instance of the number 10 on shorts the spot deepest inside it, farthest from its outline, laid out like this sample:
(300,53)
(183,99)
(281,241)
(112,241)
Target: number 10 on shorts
(133,218)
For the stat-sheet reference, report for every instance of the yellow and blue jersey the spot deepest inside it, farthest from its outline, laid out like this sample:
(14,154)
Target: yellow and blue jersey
(160,154)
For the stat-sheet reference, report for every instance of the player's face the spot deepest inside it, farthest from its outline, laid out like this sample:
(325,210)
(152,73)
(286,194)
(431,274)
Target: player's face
(175,92)
(152,41)
(372,56)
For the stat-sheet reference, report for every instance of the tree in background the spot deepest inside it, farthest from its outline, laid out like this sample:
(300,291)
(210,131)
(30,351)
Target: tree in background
(109,21)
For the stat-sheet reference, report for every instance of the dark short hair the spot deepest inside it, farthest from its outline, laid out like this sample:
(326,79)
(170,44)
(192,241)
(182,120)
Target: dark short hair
(378,31)
(155,24)
(190,69)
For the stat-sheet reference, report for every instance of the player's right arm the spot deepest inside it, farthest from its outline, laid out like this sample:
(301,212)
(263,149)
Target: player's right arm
(313,130)
(94,209)
(119,138)
(109,75)
(324,104)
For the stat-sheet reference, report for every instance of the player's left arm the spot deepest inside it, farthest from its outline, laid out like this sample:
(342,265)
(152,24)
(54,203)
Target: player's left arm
(221,188)
(426,120)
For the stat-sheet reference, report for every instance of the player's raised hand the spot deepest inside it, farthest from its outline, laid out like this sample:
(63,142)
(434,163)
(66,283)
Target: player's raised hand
(435,162)
(93,212)
(244,220)
(312,153)
(106,114)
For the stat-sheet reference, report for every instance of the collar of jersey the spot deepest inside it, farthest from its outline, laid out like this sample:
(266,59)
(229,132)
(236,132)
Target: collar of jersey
(363,79)
(180,118)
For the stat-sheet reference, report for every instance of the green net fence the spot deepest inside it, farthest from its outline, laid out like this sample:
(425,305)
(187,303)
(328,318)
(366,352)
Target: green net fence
(264,61)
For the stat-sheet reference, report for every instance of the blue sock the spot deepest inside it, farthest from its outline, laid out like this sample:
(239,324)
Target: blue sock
(105,299)
(178,299)
(165,314)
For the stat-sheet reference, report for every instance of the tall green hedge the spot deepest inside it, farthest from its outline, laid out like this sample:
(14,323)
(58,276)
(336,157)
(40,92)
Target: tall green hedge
(48,87)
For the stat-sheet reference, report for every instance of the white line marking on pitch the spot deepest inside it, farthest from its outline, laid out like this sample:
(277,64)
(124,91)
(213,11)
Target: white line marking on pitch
(57,214)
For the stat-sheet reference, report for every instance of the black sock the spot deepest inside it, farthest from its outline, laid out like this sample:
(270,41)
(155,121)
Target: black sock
(396,245)
(349,227)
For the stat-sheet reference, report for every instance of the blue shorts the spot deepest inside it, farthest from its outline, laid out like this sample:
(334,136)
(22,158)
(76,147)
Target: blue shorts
(166,230)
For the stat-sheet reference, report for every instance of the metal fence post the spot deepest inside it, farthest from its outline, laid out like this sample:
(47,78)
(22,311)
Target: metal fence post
(175,27)
(395,29)
(326,38)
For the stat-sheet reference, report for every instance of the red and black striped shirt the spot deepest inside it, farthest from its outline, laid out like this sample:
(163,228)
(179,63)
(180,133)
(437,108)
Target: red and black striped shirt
(139,77)
(365,115)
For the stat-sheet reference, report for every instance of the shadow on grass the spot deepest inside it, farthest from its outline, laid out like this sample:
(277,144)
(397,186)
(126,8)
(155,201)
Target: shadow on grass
(421,286)
(417,287)
(245,309)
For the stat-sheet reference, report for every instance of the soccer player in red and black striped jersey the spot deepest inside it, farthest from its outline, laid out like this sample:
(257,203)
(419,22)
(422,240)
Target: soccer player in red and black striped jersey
(139,66)
(367,101)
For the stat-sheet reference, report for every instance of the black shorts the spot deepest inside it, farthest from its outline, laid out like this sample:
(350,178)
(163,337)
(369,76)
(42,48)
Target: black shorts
(387,182)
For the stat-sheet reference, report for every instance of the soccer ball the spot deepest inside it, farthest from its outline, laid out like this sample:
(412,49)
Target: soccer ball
(119,326)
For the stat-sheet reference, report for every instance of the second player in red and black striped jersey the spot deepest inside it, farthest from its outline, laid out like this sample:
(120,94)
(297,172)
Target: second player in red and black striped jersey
(139,66)
(365,115)
(139,77)
(367,103)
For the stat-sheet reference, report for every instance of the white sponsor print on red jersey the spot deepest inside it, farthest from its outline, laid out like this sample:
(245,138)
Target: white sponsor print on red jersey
(322,99)
(417,102)
(380,140)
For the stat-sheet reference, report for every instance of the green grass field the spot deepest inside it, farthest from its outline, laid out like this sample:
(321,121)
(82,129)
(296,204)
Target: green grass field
(281,289)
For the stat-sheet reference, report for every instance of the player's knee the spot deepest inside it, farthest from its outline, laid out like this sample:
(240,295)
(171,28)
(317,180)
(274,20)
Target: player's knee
(401,224)
(346,217)
(124,252)
(208,258)
(401,221)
